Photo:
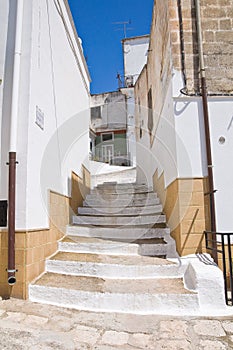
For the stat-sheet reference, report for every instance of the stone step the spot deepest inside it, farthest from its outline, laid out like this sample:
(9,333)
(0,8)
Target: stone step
(118,202)
(123,211)
(119,234)
(111,266)
(111,260)
(147,247)
(141,296)
(121,185)
(128,175)
(115,183)
(121,196)
(79,244)
(119,220)
(121,190)
(150,242)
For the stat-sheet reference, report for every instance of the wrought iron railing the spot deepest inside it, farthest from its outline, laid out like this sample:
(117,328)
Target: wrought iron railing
(221,243)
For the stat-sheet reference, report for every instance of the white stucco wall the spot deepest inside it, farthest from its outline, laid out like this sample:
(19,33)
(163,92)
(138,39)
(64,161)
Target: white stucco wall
(221,125)
(4,64)
(113,111)
(7,28)
(3,31)
(190,137)
(7,47)
(63,145)
(135,55)
(162,154)
(191,149)
(179,149)
(56,82)
(131,134)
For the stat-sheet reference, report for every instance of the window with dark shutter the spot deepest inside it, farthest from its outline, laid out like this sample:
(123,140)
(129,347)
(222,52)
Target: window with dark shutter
(3,213)
(150,111)
(95,112)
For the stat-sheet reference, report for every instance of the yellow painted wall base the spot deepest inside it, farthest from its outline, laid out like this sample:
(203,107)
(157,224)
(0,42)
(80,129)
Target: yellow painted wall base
(186,208)
(32,247)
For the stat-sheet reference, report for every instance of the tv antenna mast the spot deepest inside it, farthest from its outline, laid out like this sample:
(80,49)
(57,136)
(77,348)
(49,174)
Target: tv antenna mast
(124,24)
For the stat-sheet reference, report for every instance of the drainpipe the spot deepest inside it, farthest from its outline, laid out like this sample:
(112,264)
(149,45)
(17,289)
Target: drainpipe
(182,49)
(13,144)
(207,128)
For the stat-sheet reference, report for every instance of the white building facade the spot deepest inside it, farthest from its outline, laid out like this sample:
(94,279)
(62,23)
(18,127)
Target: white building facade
(52,138)
(52,73)
(135,52)
(171,139)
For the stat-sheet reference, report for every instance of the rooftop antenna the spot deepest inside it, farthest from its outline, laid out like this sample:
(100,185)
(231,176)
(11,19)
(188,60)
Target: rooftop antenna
(124,24)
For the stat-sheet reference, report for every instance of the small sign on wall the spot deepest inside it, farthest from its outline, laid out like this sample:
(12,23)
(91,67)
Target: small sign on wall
(39,118)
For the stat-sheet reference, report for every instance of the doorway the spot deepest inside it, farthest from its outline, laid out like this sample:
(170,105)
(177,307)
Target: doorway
(107,153)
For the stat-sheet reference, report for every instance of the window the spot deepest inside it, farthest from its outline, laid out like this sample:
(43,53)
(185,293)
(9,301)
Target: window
(107,136)
(150,111)
(95,112)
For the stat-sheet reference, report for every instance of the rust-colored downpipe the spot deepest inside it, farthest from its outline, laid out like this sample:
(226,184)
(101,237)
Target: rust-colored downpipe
(204,95)
(11,219)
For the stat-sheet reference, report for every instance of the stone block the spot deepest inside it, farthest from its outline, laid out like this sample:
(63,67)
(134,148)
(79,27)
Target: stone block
(224,36)
(86,334)
(115,338)
(214,12)
(228,326)
(210,328)
(173,329)
(213,344)
(225,24)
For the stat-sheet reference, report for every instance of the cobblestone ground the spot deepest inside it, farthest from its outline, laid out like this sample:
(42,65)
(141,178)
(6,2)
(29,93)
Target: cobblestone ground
(27,325)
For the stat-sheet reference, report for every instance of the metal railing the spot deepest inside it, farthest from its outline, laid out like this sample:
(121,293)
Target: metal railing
(113,159)
(222,243)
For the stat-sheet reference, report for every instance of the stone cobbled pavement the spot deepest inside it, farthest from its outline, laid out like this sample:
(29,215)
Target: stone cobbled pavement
(27,325)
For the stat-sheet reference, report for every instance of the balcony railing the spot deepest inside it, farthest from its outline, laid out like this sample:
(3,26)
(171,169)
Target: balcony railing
(221,243)
(116,159)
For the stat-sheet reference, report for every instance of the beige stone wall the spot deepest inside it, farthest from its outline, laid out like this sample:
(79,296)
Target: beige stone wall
(157,73)
(217,27)
(34,246)
(80,188)
(141,112)
(159,60)
(184,204)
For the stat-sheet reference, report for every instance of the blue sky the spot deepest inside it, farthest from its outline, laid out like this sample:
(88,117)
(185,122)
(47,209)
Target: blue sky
(94,20)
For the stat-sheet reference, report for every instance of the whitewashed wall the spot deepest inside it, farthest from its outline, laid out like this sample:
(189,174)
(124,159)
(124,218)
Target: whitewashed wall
(7,29)
(221,126)
(162,155)
(135,55)
(63,145)
(7,45)
(190,137)
(131,135)
(179,149)
(5,65)
(191,149)
(113,110)
(57,83)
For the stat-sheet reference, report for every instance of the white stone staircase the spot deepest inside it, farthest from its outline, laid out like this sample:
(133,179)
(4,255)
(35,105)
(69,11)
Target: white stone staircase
(115,258)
